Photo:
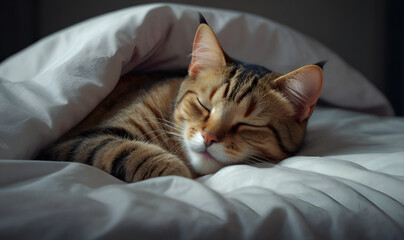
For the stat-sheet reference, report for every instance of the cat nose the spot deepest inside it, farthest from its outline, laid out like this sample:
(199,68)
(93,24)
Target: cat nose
(209,138)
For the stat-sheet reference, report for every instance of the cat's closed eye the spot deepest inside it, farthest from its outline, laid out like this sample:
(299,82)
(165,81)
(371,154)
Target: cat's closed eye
(239,126)
(204,106)
(254,134)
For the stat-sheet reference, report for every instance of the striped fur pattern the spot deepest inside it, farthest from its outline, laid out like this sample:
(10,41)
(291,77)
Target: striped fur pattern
(251,120)
(223,112)
(129,134)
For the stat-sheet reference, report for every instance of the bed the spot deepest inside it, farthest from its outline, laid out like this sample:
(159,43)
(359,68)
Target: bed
(347,181)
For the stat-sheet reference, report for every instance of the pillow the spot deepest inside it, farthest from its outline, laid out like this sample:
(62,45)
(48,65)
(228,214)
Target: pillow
(50,86)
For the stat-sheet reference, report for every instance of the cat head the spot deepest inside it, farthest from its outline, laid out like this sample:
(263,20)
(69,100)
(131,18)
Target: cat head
(233,112)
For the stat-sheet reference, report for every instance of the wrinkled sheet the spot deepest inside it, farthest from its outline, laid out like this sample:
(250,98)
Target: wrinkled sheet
(345,183)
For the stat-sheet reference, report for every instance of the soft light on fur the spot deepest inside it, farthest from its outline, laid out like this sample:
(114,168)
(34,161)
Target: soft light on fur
(224,112)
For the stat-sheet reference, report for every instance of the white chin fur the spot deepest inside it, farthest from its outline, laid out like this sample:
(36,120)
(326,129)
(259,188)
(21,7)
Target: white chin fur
(199,161)
(201,164)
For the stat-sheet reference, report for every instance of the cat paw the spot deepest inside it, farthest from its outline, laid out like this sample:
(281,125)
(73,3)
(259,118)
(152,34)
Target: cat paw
(164,164)
(176,168)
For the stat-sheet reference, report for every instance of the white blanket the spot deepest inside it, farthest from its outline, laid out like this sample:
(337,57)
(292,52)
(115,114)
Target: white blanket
(346,182)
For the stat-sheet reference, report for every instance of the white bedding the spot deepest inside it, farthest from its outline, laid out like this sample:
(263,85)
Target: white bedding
(346,182)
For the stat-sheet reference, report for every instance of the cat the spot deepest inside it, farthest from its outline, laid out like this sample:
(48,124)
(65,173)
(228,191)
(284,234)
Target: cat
(223,112)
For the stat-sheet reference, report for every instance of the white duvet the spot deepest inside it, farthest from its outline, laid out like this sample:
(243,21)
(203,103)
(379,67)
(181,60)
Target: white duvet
(347,182)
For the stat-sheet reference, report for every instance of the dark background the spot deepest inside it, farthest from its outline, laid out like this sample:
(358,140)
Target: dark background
(369,35)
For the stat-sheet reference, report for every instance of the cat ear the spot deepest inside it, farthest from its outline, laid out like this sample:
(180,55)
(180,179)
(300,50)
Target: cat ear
(207,52)
(303,88)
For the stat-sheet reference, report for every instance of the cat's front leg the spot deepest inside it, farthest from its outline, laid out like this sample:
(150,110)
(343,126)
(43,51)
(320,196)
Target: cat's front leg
(127,159)
(147,161)
(133,161)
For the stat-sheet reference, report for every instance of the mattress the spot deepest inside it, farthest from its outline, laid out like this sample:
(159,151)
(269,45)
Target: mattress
(345,183)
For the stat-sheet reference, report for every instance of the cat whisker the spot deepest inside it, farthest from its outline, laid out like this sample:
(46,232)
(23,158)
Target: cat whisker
(162,132)
(173,125)
(177,148)
(167,123)
(249,161)
(257,159)
(262,97)
(170,122)
(156,107)
(164,124)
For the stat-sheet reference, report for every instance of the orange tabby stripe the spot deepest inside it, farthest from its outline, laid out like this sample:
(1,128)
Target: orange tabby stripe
(280,141)
(253,83)
(213,93)
(250,109)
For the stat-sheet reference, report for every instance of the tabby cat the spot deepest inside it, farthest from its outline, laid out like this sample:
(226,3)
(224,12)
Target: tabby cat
(223,112)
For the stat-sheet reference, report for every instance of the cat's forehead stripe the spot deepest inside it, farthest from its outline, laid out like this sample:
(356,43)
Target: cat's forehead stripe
(213,93)
(234,87)
(250,109)
(254,68)
(252,85)
(240,83)
(232,73)
(226,90)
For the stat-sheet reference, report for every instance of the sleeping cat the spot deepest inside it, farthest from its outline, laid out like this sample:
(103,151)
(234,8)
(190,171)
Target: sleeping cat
(223,112)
